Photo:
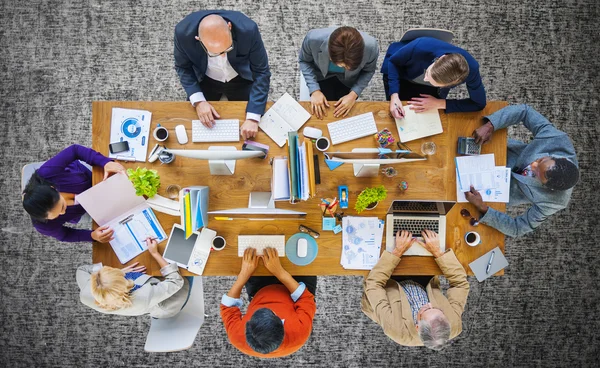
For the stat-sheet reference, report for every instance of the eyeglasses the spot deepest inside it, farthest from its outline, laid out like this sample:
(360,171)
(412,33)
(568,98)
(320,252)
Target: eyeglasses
(466,214)
(212,54)
(309,231)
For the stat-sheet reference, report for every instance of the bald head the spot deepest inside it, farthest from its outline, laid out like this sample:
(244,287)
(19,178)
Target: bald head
(215,33)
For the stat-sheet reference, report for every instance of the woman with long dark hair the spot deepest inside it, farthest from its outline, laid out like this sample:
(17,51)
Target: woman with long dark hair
(49,196)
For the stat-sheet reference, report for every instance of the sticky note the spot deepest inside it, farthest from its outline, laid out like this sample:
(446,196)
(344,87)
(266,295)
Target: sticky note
(328,223)
(337,229)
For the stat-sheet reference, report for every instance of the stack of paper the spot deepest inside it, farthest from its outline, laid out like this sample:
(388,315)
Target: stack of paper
(361,242)
(286,115)
(492,182)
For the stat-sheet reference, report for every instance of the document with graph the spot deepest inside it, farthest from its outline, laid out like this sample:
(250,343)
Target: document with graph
(286,115)
(113,203)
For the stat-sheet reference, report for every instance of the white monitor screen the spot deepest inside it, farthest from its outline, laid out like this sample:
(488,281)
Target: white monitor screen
(179,248)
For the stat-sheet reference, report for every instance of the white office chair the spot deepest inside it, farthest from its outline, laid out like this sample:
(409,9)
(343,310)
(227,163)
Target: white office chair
(440,34)
(179,332)
(304,92)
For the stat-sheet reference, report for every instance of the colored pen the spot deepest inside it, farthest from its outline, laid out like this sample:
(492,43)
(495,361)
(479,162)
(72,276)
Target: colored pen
(399,110)
(489,265)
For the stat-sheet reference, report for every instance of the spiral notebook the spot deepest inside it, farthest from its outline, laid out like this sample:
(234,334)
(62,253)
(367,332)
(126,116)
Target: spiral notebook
(286,115)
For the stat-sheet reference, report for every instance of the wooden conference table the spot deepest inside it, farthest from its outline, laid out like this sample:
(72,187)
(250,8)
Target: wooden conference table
(433,179)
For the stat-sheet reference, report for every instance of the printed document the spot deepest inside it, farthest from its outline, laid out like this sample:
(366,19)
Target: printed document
(498,192)
(361,242)
(477,171)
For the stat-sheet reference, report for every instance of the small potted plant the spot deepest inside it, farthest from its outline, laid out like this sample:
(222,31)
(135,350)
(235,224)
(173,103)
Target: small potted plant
(369,197)
(146,182)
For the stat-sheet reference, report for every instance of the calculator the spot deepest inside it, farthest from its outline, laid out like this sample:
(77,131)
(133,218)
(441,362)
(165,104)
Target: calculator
(467,146)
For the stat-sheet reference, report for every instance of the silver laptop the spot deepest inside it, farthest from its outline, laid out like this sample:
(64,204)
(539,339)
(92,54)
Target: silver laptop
(415,216)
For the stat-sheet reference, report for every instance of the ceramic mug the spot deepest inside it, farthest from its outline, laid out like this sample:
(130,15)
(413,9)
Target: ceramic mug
(322,144)
(472,238)
(218,243)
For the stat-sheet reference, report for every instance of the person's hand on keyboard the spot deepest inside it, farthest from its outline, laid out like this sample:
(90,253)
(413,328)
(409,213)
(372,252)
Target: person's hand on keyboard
(249,263)
(206,114)
(318,104)
(271,260)
(432,243)
(249,129)
(344,105)
(404,240)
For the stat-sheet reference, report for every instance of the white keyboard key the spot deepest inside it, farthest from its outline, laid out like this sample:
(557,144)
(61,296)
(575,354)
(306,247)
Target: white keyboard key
(224,130)
(260,242)
(352,128)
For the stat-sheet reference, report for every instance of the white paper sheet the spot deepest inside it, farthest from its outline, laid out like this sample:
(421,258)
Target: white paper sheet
(280,184)
(132,126)
(418,125)
(475,170)
(499,192)
(361,242)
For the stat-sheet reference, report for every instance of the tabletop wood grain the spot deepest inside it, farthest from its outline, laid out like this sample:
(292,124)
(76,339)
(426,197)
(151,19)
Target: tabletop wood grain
(433,179)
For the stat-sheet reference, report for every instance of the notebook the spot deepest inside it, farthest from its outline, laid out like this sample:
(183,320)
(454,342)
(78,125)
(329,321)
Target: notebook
(286,115)
(479,265)
(113,202)
(193,203)
(418,125)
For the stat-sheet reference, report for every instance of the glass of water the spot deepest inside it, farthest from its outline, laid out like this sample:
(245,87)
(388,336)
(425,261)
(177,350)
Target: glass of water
(428,148)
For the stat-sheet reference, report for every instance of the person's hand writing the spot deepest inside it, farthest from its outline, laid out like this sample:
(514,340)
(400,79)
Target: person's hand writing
(396,108)
(426,102)
(103,234)
(344,105)
(484,133)
(318,104)
(271,260)
(474,197)
(404,240)
(249,129)
(432,243)
(111,168)
(152,246)
(206,114)
(134,268)
(249,263)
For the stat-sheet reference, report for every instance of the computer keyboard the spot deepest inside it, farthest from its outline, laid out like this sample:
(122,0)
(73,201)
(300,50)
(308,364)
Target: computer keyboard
(260,242)
(224,130)
(352,128)
(416,226)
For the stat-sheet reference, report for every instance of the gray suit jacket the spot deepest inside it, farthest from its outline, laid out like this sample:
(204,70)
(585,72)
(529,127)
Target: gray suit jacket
(547,141)
(159,299)
(314,60)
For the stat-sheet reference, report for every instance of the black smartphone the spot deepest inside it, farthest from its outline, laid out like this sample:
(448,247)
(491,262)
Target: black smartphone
(118,147)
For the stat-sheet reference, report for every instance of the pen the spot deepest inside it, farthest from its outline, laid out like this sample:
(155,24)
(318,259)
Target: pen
(489,265)
(399,110)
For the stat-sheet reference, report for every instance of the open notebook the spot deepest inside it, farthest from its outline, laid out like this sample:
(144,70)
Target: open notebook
(418,125)
(286,115)
(113,202)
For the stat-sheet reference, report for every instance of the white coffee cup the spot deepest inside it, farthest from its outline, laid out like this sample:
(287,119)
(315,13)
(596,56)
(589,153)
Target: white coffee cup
(472,238)
(218,240)
(322,144)
(161,133)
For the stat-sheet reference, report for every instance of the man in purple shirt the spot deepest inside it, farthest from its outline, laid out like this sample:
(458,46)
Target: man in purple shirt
(49,196)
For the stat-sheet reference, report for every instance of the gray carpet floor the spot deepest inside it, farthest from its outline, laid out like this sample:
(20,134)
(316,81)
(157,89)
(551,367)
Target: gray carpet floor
(58,56)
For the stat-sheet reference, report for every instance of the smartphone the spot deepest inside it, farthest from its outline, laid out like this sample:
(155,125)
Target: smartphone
(118,147)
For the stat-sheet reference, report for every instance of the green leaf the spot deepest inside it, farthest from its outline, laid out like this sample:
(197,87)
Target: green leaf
(368,196)
(146,182)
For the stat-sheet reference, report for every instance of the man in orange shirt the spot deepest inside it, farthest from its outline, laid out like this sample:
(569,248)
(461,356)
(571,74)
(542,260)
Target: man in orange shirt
(279,317)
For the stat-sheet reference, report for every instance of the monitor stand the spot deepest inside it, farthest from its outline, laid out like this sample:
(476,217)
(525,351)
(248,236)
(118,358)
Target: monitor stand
(221,167)
(365,170)
(261,200)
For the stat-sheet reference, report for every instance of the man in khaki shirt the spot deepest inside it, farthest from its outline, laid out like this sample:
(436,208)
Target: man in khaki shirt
(413,314)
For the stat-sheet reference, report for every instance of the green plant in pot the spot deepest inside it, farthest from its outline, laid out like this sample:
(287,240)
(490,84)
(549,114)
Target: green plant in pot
(146,182)
(369,197)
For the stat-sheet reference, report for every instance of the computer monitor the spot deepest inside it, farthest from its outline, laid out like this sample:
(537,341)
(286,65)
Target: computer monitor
(366,161)
(260,207)
(221,159)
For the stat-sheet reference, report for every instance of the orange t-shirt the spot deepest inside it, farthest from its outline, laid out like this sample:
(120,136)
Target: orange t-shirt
(298,318)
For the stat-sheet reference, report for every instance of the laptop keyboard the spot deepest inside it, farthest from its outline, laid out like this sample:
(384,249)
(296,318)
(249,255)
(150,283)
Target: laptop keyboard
(412,206)
(416,226)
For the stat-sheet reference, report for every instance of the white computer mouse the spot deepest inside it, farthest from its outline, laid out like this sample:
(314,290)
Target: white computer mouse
(314,133)
(182,137)
(302,247)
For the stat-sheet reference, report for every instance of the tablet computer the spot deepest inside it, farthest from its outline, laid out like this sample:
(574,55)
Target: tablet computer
(179,249)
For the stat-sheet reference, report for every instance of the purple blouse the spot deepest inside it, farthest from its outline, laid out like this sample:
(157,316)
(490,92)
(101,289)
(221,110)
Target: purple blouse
(69,176)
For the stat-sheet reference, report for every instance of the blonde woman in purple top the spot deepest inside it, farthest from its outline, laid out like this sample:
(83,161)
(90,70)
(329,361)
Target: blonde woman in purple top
(49,196)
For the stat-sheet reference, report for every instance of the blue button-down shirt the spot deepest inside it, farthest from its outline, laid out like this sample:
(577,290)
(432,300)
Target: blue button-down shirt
(237,302)
(416,294)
